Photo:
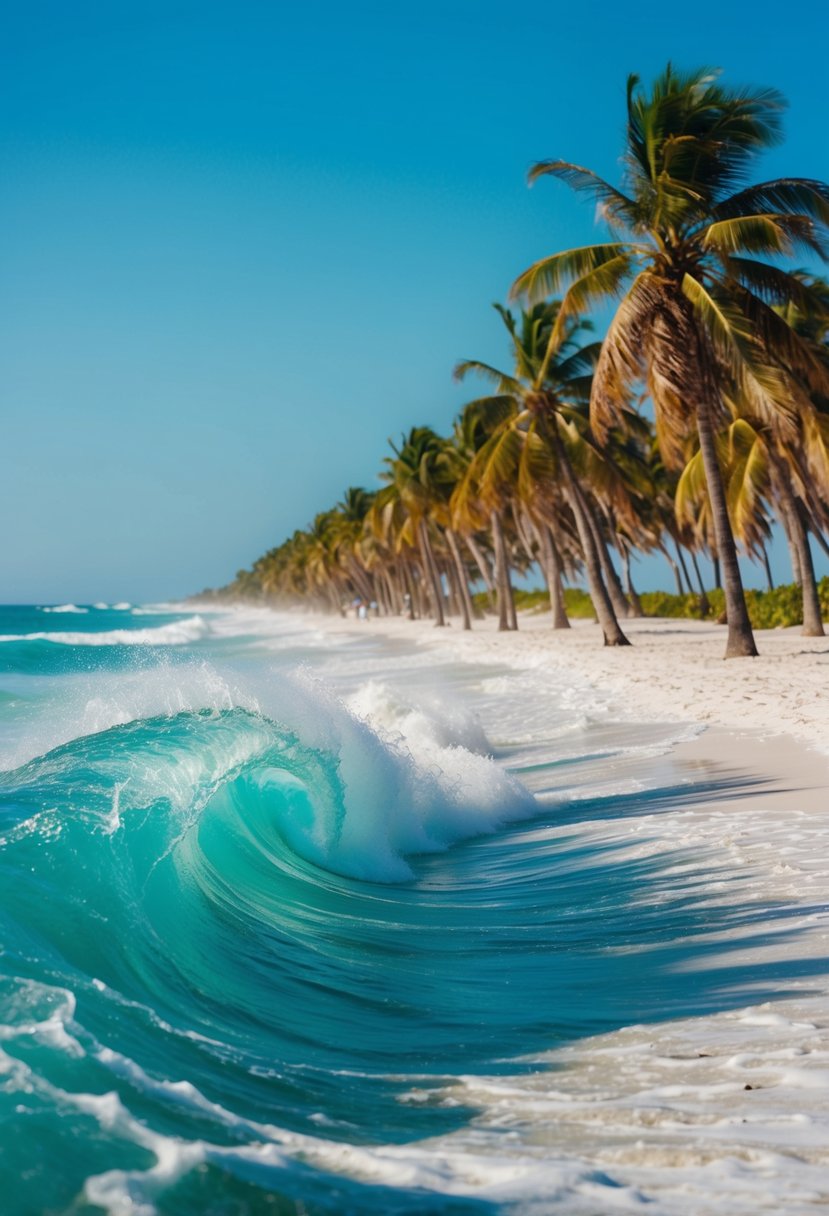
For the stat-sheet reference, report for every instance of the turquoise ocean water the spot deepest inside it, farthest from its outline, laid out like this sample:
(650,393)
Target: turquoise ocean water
(275,905)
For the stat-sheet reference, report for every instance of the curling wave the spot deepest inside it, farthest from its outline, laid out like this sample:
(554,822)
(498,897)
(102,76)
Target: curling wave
(212,903)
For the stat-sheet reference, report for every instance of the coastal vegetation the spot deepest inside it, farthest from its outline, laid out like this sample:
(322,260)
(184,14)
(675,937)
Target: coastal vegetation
(696,425)
(778,608)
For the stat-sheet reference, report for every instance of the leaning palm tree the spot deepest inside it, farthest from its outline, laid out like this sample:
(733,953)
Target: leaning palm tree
(411,486)
(551,376)
(695,322)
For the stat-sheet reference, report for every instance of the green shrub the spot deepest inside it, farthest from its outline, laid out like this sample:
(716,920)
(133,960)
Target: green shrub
(578,604)
(766,609)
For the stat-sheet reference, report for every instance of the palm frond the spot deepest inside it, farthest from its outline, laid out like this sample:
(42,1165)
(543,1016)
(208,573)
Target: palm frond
(816,450)
(791,195)
(601,283)
(579,364)
(747,481)
(536,466)
(775,285)
(605,280)
(503,382)
(691,492)
(494,467)
(620,361)
(481,417)
(762,387)
(768,233)
(612,202)
(549,275)
(801,359)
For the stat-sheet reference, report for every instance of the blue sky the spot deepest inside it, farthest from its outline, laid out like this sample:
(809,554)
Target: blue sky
(244,244)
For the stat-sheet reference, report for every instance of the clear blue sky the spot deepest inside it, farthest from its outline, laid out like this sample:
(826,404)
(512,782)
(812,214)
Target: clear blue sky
(245,243)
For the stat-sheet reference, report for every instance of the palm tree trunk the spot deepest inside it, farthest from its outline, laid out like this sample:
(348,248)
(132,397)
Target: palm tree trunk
(614,586)
(513,615)
(788,528)
(682,565)
(812,619)
(704,605)
(484,567)
(409,583)
(814,528)
(617,596)
(740,640)
(395,598)
(506,618)
(361,580)
(767,566)
(467,610)
(418,579)
(551,568)
(524,535)
(382,595)
(388,590)
(602,605)
(663,549)
(633,594)
(431,570)
(446,573)
(334,598)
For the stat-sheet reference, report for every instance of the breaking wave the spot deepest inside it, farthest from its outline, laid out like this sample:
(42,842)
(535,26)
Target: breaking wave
(177,633)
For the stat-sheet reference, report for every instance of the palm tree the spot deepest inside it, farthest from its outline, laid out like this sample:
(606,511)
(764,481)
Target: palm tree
(695,321)
(411,484)
(552,374)
(446,471)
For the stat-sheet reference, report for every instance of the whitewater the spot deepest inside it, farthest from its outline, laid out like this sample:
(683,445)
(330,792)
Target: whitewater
(309,920)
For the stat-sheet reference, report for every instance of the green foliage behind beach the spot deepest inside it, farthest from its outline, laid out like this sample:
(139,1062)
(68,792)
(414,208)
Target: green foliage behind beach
(780,608)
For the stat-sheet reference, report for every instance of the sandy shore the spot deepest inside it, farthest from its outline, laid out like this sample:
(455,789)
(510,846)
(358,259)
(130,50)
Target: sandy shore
(674,671)
(766,720)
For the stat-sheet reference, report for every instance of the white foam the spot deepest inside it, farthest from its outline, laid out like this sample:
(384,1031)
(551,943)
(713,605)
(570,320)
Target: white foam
(32,1010)
(427,723)
(409,785)
(65,608)
(177,633)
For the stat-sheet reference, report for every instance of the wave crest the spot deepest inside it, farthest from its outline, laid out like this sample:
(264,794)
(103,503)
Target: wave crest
(177,633)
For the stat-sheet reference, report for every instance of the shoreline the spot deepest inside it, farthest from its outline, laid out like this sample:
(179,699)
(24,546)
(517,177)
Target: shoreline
(638,959)
(673,672)
(765,721)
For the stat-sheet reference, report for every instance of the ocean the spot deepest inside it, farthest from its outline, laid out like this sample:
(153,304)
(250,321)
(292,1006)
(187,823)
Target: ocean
(310,921)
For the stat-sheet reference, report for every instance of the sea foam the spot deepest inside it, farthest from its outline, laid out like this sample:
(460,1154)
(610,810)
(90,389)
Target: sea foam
(409,780)
(177,633)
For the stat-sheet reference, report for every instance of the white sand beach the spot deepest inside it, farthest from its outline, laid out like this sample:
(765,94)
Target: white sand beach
(674,671)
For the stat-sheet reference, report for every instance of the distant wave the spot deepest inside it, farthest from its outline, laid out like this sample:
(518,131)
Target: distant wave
(65,608)
(179,633)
